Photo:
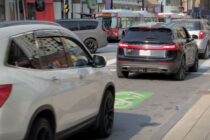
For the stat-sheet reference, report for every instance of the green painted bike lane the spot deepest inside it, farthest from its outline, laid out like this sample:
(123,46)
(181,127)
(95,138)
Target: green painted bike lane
(130,99)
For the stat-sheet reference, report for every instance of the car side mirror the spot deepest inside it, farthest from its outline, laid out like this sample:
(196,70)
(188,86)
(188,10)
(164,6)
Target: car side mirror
(99,61)
(40,5)
(194,37)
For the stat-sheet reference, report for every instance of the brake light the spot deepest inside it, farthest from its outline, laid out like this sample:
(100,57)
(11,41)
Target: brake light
(149,47)
(5,91)
(122,45)
(170,47)
(201,35)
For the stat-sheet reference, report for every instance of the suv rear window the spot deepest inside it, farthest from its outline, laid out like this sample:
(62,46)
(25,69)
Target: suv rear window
(193,25)
(148,35)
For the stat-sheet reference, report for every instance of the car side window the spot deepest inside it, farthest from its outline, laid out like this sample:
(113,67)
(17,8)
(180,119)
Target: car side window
(71,25)
(181,34)
(23,52)
(88,25)
(76,55)
(52,53)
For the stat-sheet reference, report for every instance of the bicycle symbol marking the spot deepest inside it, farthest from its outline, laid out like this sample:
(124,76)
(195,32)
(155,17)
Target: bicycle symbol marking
(129,99)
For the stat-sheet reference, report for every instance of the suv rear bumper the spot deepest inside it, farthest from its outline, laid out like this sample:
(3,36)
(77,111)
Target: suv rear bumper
(166,67)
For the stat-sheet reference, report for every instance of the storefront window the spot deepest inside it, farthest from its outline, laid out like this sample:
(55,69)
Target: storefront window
(2,10)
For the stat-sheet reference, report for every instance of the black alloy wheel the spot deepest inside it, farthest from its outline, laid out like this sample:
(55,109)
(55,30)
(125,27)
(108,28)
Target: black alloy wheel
(106,116)
(195,66)
(41,130)
(180,75)
(206,53)
(91,44)
(122,74)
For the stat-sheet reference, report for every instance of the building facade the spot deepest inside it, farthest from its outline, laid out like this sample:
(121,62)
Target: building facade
(174,6)
(26,10)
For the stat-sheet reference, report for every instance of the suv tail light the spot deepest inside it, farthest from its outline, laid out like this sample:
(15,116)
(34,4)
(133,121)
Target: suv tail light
(201,35)
(149,47)
(5,91)
(122,45)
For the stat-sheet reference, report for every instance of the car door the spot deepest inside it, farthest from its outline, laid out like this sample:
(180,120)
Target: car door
(192,47)
(25,67)
(186,45)
(78,93)
(55,64)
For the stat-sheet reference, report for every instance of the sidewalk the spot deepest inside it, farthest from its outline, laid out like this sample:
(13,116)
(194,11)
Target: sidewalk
(195,125)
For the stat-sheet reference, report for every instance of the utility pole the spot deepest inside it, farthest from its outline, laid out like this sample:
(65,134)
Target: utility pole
(111,7)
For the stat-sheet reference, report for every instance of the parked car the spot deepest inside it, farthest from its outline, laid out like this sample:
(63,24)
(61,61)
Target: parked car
(157,49)
(90,31)
(201,28)
(50,85)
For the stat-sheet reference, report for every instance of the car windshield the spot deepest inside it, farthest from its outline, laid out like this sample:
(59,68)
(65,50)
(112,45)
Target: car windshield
(108,22)
(193,25)
(148,35)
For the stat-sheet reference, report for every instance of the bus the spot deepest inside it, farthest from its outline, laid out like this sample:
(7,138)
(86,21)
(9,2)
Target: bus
(115,21)
(147,17)
(168,17)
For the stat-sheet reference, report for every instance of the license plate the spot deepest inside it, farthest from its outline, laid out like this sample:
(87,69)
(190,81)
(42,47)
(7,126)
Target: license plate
(145,53)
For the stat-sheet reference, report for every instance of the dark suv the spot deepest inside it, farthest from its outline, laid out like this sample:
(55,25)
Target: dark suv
(165,49)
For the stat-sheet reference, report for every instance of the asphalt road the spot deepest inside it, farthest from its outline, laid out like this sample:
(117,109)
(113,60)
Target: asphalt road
(167,102)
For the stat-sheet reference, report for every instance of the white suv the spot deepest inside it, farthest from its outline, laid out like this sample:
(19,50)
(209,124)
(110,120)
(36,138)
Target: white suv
(50,85)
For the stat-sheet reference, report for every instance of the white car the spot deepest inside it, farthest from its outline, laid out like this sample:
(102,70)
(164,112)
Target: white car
(50,85)
(201,29)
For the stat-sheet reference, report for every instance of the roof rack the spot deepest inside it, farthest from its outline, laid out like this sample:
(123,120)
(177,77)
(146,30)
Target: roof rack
(25,22)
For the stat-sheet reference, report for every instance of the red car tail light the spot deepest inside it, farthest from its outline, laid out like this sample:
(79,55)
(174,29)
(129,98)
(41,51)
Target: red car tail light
(122,45)
(5,91)
(170,47)
(201,35)
(150,47)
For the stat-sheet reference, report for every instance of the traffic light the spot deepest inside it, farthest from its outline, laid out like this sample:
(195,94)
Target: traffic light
(66,8)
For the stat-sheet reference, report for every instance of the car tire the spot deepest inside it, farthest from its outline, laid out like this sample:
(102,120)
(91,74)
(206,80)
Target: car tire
(180,75)
(41,130)
(195,66)
(91,44)
(205,55)
(106,116)
(122,74)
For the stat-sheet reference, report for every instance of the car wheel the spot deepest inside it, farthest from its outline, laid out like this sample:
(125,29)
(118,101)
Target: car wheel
(122,74)
(106,116)
(195,66)
(180,75)
(91,44)
(206,53)
(41,130)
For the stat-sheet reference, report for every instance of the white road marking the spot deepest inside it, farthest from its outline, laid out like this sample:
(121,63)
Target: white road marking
(205,64)
(200,73)
(113,70)
(110,62)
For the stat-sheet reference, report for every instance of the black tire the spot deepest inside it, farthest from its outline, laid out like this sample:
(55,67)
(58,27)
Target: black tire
(180,75)
(195,66)
(106,116)
(41,130)
(122,74)
(91,44)
(205,55)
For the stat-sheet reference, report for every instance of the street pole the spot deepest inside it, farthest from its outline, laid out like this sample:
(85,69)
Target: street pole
(143,5)
(111,7)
